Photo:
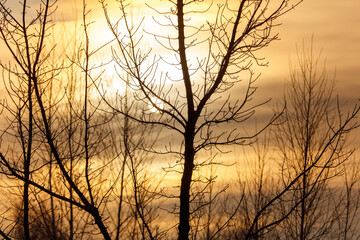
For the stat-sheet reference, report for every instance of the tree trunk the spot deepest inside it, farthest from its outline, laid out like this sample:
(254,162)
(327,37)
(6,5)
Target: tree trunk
(27,160)
(100,223)
(26,206)
(184,225)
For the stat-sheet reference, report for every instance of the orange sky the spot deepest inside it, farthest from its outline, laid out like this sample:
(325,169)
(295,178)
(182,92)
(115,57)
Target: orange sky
(336,29)
(335,25)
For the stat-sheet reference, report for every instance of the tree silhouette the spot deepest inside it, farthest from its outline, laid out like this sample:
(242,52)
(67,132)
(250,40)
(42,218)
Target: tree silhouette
(80,151)
(66,140)
(308,137)
(196,105)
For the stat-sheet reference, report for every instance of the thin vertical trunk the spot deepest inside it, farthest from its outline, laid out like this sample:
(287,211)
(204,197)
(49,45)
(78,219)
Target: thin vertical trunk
(126,142)
(53,225)
(184,224)
(208,235)
(86,110)
(70,136)
(307,155)
(71,130)
(189,154)
(27,165)
(303,198)
(30,129)
(52,201)
(303,208)
(71,220)
(118,227)
(26,202)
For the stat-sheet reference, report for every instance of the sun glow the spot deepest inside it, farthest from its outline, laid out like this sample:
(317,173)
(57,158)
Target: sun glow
(116,85)
(156,106)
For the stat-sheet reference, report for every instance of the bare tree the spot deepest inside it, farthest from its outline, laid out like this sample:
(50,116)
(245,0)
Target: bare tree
(69,138)
(196,104)
(260,186)
(348,222)
(26,41)
(310,120)
(92,151)
(21,91)
(310,138)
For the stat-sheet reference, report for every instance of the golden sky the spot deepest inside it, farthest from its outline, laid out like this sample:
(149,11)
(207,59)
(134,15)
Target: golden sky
(335,26)
(336,29)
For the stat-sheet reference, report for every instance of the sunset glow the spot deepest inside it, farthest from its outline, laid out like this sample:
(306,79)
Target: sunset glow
(179,119)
